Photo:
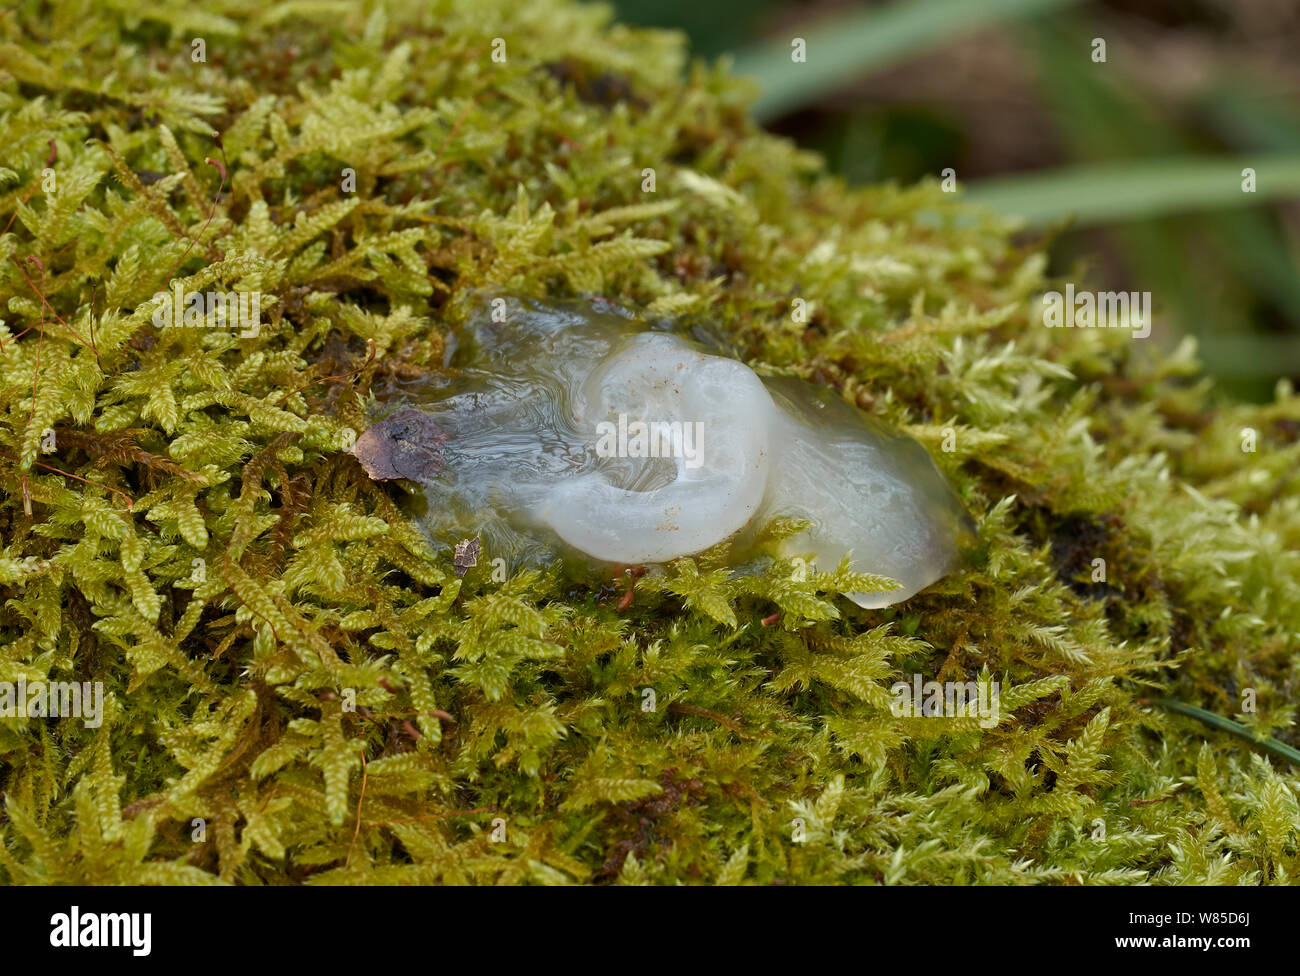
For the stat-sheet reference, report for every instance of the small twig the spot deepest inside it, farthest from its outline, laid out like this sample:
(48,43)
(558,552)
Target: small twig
(45,302)
(130,502)
(454,128)
(221,168)
(571,143)
(1156,799)
(437,713)
(432,816)
(40,341)
(266,803)
(226,561)
(93,289)
(681,708)
(360,800)
(342,377)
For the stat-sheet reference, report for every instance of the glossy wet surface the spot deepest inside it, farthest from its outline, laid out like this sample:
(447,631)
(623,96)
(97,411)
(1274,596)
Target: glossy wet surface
(571,430)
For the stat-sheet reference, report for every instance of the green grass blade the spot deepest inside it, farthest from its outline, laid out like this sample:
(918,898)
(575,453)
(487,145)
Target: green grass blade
(1110,192)
(1256,121)
(1273,747)
(843,47)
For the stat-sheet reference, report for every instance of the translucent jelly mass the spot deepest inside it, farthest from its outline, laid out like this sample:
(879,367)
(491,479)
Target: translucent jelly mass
(571,429)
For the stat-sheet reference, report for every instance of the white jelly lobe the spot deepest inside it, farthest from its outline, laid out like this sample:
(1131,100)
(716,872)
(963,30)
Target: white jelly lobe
(570,423)
(867,490)
(697,409)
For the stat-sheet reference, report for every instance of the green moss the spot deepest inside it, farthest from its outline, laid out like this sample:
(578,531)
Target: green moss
(230,682)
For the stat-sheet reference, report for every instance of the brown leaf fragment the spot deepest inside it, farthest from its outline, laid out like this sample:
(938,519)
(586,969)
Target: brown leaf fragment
(466,558)
(406,445)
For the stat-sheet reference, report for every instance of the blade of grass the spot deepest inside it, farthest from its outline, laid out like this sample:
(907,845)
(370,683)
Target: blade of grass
(1252,120)
(1263,258)
(1101,118)
(1273,747)
(841,48)
(1211,270)
(1111,192)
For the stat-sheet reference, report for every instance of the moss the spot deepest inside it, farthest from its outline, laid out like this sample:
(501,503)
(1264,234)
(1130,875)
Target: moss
(299,686)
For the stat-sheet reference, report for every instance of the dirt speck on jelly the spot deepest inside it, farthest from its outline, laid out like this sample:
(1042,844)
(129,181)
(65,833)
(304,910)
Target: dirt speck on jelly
(406,445)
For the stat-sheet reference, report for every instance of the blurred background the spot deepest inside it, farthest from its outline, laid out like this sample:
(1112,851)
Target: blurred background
(1132,167)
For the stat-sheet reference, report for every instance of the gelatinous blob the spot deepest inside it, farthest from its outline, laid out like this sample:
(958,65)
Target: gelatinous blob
(572,428)
(866,488)
(720,457)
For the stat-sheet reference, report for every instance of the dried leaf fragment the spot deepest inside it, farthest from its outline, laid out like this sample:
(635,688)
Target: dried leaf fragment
(466,557)
(406,445)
